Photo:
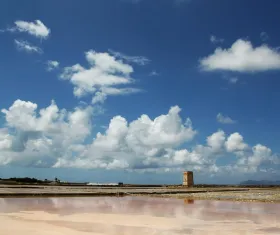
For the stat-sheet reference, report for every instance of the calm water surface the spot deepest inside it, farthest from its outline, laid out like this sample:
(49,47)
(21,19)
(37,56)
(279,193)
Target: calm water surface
(136,215)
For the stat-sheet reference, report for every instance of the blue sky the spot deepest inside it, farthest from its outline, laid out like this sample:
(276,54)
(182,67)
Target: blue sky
(138,91)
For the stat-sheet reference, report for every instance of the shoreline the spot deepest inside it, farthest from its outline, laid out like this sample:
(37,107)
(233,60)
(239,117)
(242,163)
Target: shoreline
(116,193)
(142,195)
(266,195)
(216,199)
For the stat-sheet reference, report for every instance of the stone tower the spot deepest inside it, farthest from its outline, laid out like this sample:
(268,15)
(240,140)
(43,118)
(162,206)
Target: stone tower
(188,178)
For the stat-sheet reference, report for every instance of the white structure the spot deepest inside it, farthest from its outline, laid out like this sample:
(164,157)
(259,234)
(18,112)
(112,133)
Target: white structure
(103,184)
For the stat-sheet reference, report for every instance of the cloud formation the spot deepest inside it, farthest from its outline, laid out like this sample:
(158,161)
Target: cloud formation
(104,77)
(41,136)
(242,57)
(53,137)
(235,143)
(27,47)
(36,28)
(140,60)
(52,64)
(224,119)
(216,40)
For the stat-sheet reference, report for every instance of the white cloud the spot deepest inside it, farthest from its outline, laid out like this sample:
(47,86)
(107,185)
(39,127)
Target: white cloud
(215,39)
(99,97)
(52,129)
(225,119)
(143,143)
(140,147)
(53,137)
(235,143)
(102,78)
(252,162)
(5,139)
(140,60)
(260,154)
(119,91)
(104,92)
(242,57)
(216,141)
(27,47)
(52,64)
(36,28)
(165,130)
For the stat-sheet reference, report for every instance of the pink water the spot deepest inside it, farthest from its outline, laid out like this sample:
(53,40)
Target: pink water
(135,215)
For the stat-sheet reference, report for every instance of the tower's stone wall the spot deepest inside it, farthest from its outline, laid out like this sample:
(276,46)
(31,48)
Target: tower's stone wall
(188,178)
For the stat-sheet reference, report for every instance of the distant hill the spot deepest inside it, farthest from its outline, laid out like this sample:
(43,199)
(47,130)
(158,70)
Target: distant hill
(260,182)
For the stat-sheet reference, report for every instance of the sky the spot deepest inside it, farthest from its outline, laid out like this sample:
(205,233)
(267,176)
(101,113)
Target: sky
(139,91)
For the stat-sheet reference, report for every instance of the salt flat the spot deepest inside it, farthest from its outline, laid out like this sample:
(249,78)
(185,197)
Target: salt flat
(135,215)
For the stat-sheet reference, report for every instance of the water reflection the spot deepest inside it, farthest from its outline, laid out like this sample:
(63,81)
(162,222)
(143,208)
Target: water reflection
(192,216)
(189,201)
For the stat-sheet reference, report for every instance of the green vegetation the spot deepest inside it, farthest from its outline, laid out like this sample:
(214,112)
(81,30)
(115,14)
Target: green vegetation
(25,180)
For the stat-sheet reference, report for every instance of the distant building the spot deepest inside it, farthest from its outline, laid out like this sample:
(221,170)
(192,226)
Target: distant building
(188,178)
(102,184)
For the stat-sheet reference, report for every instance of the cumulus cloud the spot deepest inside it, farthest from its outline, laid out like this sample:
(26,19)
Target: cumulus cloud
(5,139)
(141,144)
(235,143)
(217,140)
(36,28)
(215,39)
(103,78)
(242,57)
(41,136)
(259,155)
(53,137)
(27,47)
(224,119)
(165,130)
(52,64)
